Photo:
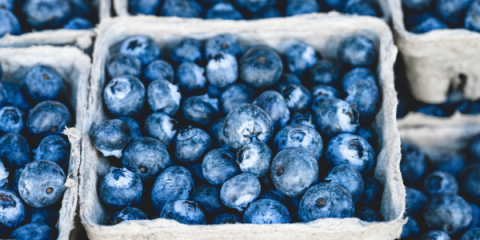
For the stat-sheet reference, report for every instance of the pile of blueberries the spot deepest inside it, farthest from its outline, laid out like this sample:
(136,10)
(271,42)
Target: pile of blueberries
(229,137)
(443,197)
(19,16)
(250,9)
(32,182)
(422,16)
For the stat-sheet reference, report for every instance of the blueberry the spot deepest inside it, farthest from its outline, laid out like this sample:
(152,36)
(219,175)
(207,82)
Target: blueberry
(440,182)
(447,212)
(267,12)
(42,83)
(146,157)
(45,14)
(411,230)
(300,57)
(368,134)
(11,120)
(472,21)
(305,119)
(417,5)
(190,78)
(362,8)
(431,110)
(110,137)
(254,158)
(13,212)
(260,67)
(78,24)
(349,178)
(293,171)
(235,96)
(472,234)
(274,195)
(372,193)
(453,11)
(187,50)
(128,214)
(208,197)
(219,165)
(48,215)
(240,191)
(158,70)
(334,116)
(141,47)
(184,211)
(181,8)
(356,74)
(14,151)
(145,7)
(3,176)
(298,7)
(10,23)
(48,117)
(412,165)
(41,183)
(124,96)
(469,108)
(222,70)
(357,51)
(34,231)
(200,110)
(322,92)
(224,10)
(246,124)
(266,211)
(367,214)
(164,97)
(274,104)
(7,5)
(326,200)
(337,5)
(223,44)
(365,95)
(286,80)
(228,218)
(475,216)
(216,133)
(161,127)
(191,144)
(297,97)
(352,150)
(429,24)
(197,173)
(435,235)
(174,183)
(133,126)
(474,149)
(251,6)
(54,148)
(469,181)
(323,72)
(413,19)
(13,179)
(299,136)
(120,188)
(123,64)
(14,96)
(415,201)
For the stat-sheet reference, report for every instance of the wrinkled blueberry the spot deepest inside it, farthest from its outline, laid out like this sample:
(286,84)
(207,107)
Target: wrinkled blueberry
(187,50)
(240,191)
(293,171)
(161,127)
(53,148)
(246,124)
(11,120)
(223,44)
(133,126)
(228,218)
(300,57)
(274,104)
(435,235)
(367,214)
(224,10)
(164,97)
(411,230)
(181,8)
(412,165)
(334,116)
(447,212)
(191,144)
(41,183)
(10,24)
(266,211)
(349,178)
(326,200)
(128,214)
(190,78)
(42,83)
(254,158)
(440,182)
(184,211)
(469,181)
(415,201)
(323,72)
(222,70)
(34,231)
(123,64)
(372,193)
(236,96)
(124,96)
(299,136)
(357,51)
(260,67)
(78,24)
(172,184)
(216,133)
(298,7)
(365,95)
(200,110)
(141,47)
(43,14)
(14,151)
(208,197)
(158,70)
(219,165)
(110,137)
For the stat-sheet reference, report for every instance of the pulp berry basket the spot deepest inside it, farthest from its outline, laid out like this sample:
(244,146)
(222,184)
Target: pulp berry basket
(74,67)
(438,60)
(321,31)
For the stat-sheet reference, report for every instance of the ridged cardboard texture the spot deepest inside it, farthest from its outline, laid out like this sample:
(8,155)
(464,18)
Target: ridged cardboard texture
(74,66)
(323,32)
(438,60)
